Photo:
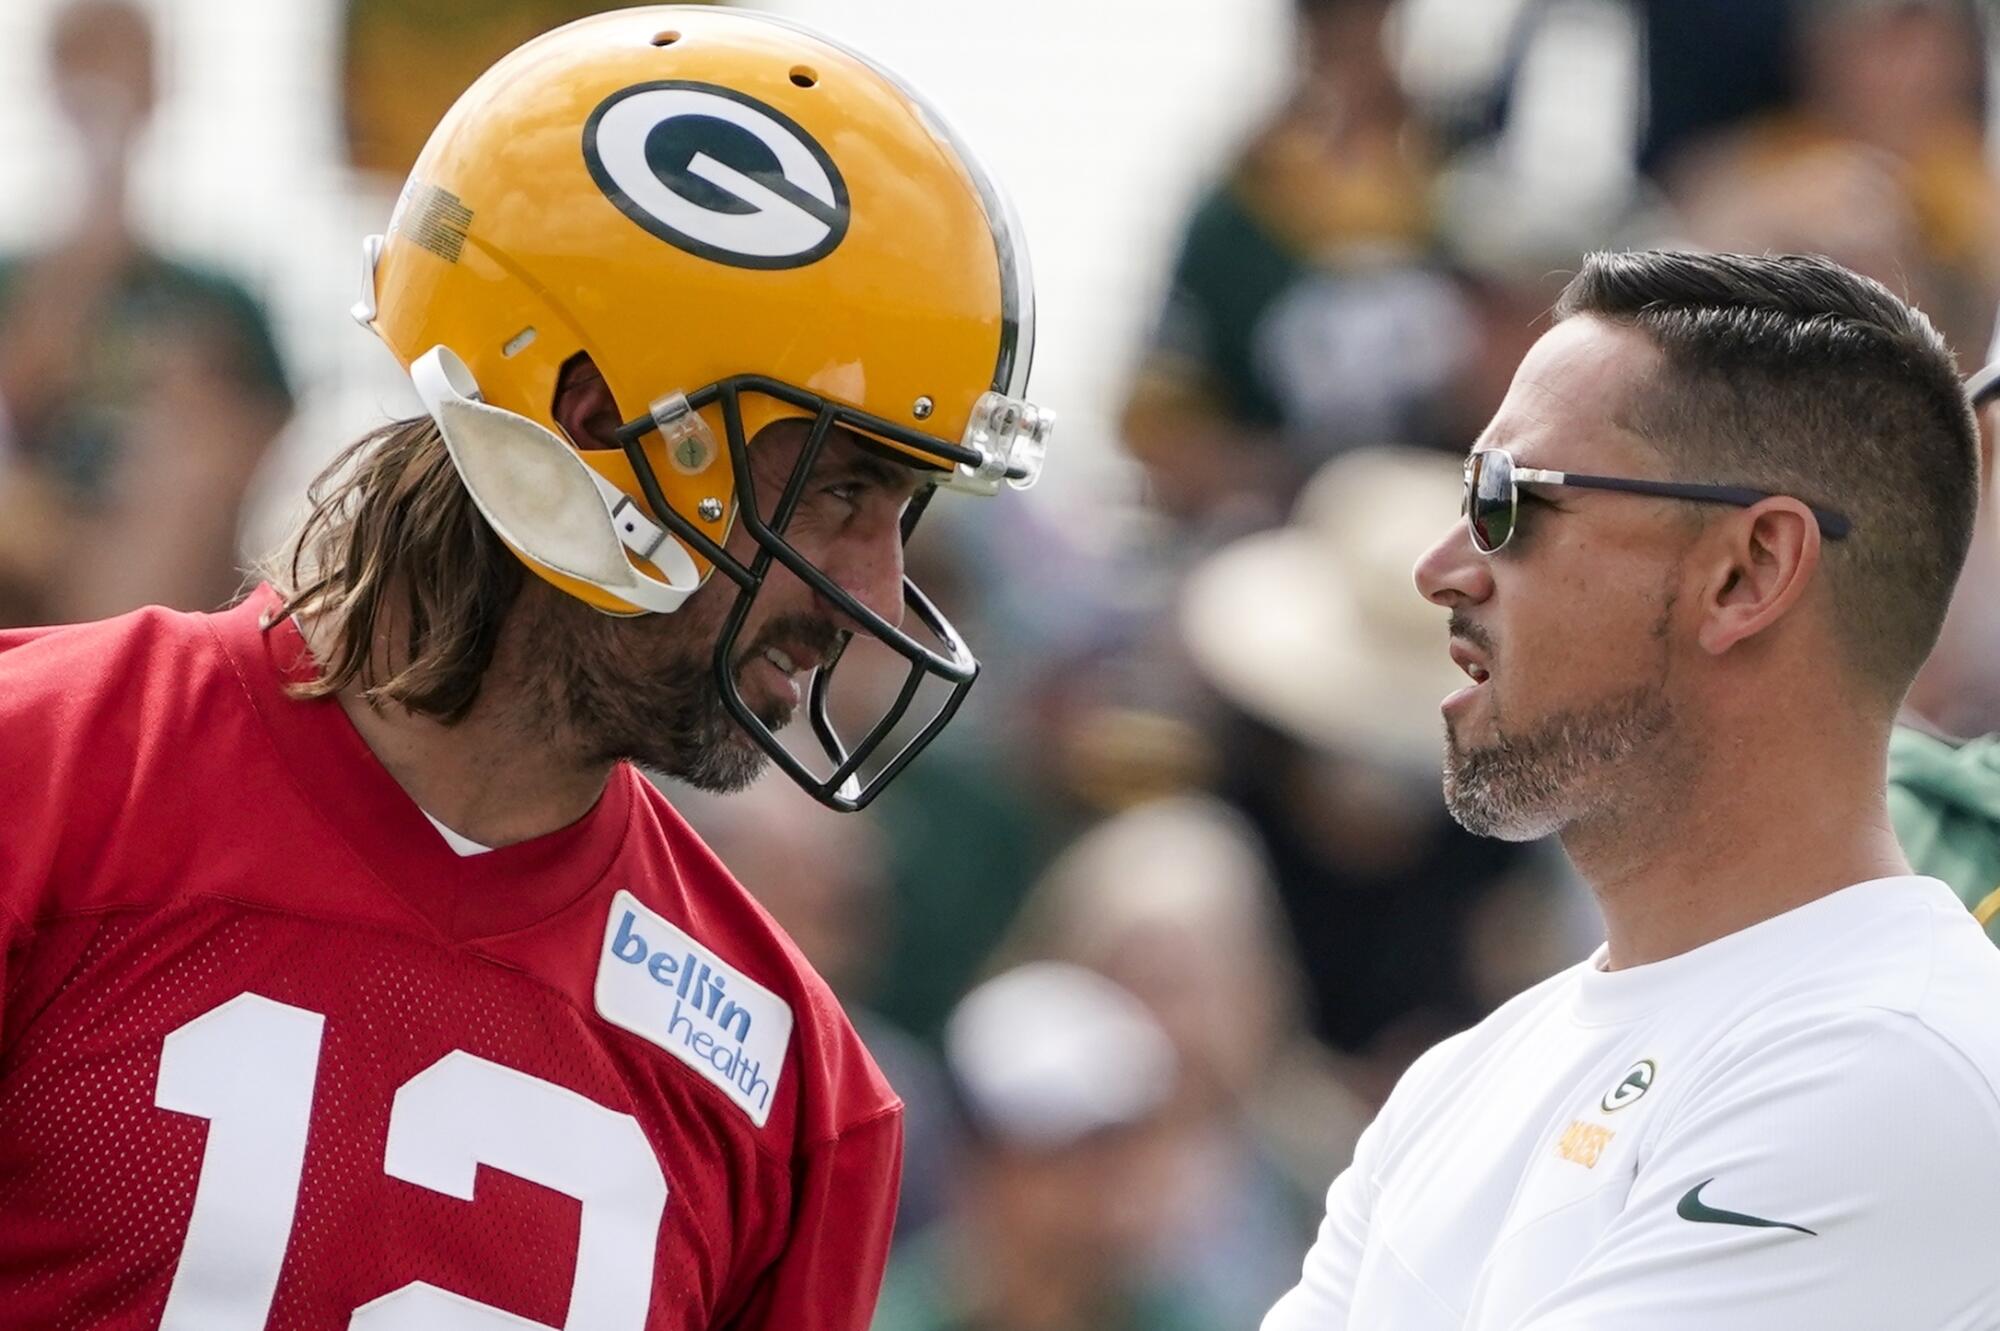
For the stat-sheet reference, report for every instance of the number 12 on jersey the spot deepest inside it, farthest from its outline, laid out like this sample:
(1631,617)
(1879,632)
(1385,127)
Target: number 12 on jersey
(249,1067)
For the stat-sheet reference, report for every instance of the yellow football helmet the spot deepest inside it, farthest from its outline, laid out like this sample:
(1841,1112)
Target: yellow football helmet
(739,221)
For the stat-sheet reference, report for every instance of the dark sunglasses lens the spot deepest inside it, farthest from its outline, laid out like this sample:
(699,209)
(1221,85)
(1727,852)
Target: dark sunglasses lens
(1489,499)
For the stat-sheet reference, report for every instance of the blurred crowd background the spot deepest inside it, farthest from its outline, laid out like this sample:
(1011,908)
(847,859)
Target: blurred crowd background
(1147,937)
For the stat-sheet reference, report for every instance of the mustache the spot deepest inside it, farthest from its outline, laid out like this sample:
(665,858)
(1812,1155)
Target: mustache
(797,636)
(1462,626)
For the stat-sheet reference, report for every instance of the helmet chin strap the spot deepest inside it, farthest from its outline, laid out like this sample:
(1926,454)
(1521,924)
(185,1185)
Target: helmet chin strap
(544,500)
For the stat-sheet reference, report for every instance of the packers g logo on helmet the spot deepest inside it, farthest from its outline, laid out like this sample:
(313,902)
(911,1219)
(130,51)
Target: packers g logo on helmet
(717,173)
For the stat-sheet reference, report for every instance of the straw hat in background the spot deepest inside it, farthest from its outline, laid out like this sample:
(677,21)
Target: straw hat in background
(1317,628)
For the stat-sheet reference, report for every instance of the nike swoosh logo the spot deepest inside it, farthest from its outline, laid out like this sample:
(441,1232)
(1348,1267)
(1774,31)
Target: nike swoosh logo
(1693,1208)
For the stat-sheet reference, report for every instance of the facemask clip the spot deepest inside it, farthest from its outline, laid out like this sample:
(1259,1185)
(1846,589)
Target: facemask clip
(690,443)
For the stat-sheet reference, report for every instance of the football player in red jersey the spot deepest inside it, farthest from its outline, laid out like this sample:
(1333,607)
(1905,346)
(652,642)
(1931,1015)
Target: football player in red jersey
(352,976)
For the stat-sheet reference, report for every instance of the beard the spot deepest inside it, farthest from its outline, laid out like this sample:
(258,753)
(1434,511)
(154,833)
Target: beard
(1521,787)
(644,689)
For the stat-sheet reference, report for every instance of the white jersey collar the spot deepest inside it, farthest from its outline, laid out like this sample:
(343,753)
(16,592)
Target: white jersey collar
(1610,997)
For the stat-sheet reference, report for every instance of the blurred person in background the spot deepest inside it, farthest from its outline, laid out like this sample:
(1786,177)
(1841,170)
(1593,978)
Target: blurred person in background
(1307,312)
(1710,65)
(1172,901)
(137,394)
(1332,675)
(404,61)
(1944,791)
(1063,1079)
(1958,691)
(1703,548)
(977,808)
(346,912)
(1878,160)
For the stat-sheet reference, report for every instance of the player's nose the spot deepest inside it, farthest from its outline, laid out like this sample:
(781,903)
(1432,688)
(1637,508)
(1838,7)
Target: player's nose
(868,565)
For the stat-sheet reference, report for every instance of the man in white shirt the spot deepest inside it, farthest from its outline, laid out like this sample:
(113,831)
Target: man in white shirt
(1710,536)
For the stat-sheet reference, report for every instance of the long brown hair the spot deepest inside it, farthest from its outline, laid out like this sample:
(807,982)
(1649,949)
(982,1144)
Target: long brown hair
(391,529)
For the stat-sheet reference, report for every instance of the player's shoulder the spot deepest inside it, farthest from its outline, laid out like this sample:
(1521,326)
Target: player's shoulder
(693,963)
(106,658)
(110,732)
(1902,944)
(1908,993)
(150,628)
(1501,1027)
(1889,1095)
(1889,943)
(110,686)
(1494,1035)
(1492,1042)
(1959,1004)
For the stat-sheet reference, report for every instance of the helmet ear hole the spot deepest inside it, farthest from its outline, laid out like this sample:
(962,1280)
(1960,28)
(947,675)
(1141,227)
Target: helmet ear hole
(583,404)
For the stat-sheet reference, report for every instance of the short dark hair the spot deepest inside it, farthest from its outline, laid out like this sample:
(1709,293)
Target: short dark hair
(1792,374)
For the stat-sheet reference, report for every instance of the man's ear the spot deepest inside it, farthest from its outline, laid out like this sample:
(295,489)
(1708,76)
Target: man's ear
(583,405)
(1760,563)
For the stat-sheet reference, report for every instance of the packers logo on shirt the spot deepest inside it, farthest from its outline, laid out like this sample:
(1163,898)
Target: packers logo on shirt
(1630,1087)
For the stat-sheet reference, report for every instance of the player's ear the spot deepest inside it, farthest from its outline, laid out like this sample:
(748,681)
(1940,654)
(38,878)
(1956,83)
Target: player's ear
(1756,565)
(583,404)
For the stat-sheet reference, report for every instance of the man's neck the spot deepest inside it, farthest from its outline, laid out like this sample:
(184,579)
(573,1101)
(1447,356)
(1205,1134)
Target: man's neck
(485,784)
(487,777)
(1745,841)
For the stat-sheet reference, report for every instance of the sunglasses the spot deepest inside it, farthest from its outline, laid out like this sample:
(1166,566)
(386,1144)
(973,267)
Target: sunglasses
(1983,386)
(1492,504)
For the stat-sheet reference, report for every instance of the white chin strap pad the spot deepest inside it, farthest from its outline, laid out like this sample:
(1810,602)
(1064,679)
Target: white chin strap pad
(543,500)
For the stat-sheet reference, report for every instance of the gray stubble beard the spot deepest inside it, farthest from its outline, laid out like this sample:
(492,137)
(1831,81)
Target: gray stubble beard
(1523,787)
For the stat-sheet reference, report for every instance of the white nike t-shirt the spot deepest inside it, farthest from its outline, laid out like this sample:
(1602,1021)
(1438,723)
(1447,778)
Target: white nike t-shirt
(1794,1126)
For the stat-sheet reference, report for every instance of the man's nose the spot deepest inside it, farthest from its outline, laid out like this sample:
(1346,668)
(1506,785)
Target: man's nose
(867,563)
(1451,573)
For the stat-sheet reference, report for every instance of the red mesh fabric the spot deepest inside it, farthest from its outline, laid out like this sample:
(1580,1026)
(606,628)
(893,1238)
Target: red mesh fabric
(176,832)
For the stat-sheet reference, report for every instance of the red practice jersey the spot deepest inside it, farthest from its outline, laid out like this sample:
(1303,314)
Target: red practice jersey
(273,1055)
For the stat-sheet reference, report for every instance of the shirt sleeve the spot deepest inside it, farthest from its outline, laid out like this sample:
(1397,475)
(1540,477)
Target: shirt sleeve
(843,1210)
(67,753)
(1842,1177)
(30,820)
(1324,1296)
